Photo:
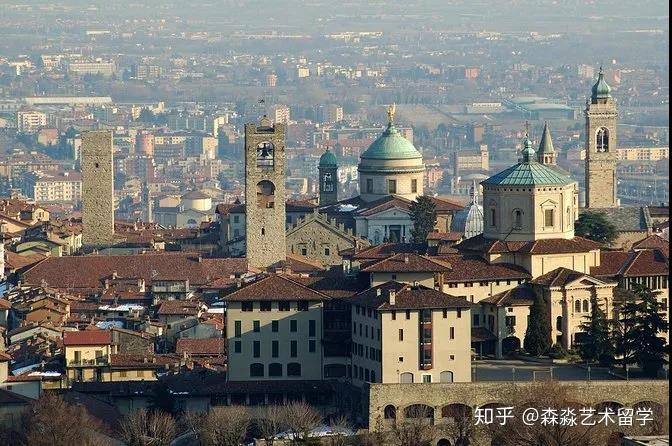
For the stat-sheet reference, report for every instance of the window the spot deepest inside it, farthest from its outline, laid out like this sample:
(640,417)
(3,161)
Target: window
(265,306)
(256,326)
(517,219)
(311,328)
(406,378)
(602,140)
(445,313)
(367,375)
(493,214)
(293,369)
(394,315)
(373,376)
(283,306)
(274,369)
(292,326)
(408,314)
(391,186)
(446,376)
(237,346)
(265,194)
(274,326)
(256,349)
(459,313)
(577,306)
(452,332)
(248,306)
(275,349)
(510,321)
(401,334)
(327,251)
(302,305)
(549,217)
(476,320)
(256,369)
(122,374)
(292,349)
(237,328)
(236,218)
(414,186)
(311,346)
(426,378)
(585,306)
(369,185)
(304,251)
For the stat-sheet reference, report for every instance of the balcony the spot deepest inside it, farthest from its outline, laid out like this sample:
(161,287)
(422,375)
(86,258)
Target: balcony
(97,362)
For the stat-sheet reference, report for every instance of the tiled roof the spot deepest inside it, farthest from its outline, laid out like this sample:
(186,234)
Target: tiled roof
(333,285)
(142,360)
(302,264)
(275,287)
(625,219)
(89,272)
(645,262)
(653,242)
(5,304)
(14,261)
(544,246)
(407,298)
(529,174)
(445,236)
(385,250)
(212,346)
(612,263)
(558,277)
(179,307)
(474,268)
(519,296)
(87,337)
(407,263)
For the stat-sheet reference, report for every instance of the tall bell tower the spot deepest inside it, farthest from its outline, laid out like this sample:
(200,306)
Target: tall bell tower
(265,193)
(328,171)
(601,115)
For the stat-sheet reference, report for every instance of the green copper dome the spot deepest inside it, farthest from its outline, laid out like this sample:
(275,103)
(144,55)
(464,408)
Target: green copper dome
(391,145)
(601,90)
(528,172)
(328,159)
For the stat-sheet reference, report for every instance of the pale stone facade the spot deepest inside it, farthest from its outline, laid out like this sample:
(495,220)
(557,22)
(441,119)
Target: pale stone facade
(265,193)
(97,189)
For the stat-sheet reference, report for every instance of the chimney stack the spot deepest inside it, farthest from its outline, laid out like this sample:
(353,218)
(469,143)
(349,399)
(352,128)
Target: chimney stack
(392,297)
(405,258)
(379,292)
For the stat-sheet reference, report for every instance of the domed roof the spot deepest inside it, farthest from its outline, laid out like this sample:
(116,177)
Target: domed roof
(328,159)
(391,145)
(195,195)
(528,172)
(601,90)
(469,220)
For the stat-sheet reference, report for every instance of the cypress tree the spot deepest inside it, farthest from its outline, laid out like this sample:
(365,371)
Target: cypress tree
(423,214)
(538,335)
(597,344)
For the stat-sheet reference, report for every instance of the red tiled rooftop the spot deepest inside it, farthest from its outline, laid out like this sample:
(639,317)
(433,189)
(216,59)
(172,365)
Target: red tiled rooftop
(406,263)
(275,287)
(473,268)
(87,337)
(213,346)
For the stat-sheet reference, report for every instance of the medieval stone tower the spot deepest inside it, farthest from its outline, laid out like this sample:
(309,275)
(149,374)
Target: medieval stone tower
(265,193)
(97,189)
(601,146)
(328,169)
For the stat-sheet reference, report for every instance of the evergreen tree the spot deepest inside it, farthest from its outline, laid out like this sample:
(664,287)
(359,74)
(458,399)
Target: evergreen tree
(641,321)
(538,335)
(597,343)
(595,226)
(423,215)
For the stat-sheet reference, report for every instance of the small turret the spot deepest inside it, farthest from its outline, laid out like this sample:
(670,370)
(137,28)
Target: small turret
(546,153)
(601,91)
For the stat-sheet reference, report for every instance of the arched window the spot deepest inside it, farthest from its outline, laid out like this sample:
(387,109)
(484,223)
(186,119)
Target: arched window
(390,412)
(558,323)
(265,154)
(419,411)
(586,307)
(265,194)
(406,378)
(274,369)
(517,219)
(577,306)
(602,140)
(493,217)
(327,182)
(293,369)
(256,369)
(446,376)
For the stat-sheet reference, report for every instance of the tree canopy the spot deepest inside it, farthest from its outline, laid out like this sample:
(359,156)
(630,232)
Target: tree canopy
(423,215)
(538,335)
(595,226)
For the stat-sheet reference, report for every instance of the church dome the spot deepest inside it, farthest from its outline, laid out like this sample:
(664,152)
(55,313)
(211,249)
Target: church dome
(601,90)
(469,221)
(328,159)
(391,146)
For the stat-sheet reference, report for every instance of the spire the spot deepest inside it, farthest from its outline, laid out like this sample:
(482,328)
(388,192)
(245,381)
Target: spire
(528,151)
(601,91)
(546,154)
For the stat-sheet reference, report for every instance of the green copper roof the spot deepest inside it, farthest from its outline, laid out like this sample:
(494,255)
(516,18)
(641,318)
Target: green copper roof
(601,90)
(546,143)
(328,159)
(391,145)
(528,172)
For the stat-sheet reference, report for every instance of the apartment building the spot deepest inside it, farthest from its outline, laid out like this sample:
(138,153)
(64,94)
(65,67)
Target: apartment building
(45,187)
(92,68)
(274,331)
(405,333)
(30,121)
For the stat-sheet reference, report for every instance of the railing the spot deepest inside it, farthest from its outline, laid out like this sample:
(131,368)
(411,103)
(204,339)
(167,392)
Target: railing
(88,362)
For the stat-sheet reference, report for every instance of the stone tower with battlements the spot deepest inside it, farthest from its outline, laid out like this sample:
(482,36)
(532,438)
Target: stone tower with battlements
(97,189)
(601,143)
(265,193)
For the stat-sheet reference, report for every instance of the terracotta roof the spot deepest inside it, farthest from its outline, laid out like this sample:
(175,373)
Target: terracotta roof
(654,242)
(334,285)
(545,246)
(408,263)
(474,268)
(90,272)
(179,307)
(558,277)
(142,360)
(5,357)
(87,337)
(5,304)
(302,264)
(445,236)
(212,346)
(15,261)
(647,263)
(446,204)
(385,250)
(612,263)
(407,297)
(275,287)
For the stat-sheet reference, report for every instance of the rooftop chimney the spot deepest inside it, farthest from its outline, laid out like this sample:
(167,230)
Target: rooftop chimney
(405,258)
(392,297)
(379,292)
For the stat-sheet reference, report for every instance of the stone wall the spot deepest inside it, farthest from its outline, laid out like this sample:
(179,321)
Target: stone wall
(97,189)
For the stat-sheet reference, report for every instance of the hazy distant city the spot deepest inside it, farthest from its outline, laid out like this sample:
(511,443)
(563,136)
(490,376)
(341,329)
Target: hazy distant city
(340,223)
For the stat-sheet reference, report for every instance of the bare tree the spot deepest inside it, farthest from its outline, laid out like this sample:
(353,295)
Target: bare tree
(193,423)
(300,418)
(226,426)
(50,421)
(271,423)
(416,428)
(341,427)
(144,428)
(459,428)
